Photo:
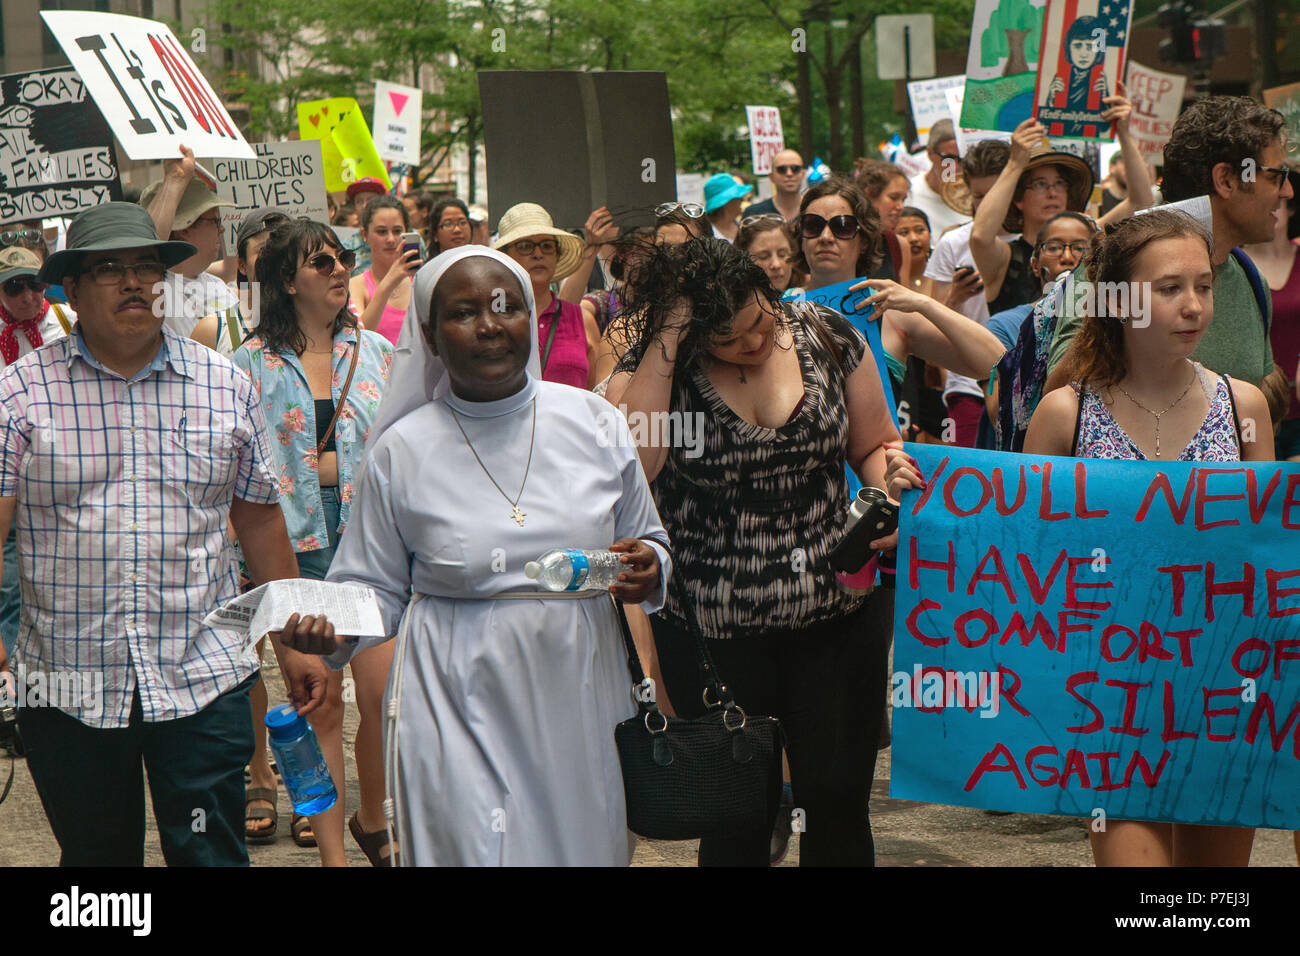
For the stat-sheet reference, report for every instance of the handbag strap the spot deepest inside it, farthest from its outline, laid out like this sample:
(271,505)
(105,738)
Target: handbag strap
(343,397)
(550,335)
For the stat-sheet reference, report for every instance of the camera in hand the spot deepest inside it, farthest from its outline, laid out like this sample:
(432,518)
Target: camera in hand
(871,516)
(10,740)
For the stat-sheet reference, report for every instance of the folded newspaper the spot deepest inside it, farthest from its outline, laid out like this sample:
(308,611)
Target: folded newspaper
(351,608)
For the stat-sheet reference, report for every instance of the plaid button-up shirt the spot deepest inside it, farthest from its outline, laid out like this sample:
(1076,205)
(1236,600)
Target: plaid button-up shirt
(124,489)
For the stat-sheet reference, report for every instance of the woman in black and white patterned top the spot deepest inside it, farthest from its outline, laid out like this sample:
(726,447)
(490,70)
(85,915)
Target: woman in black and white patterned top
(766,402)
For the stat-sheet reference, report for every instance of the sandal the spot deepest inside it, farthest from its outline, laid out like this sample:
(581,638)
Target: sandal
(251,813)
(372,844)
(302,832)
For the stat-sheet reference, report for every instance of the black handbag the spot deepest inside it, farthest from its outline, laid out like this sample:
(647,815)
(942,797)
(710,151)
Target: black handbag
(715,776)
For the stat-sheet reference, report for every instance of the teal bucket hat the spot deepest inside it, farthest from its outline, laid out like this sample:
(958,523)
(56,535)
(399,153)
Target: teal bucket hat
(112,226)
(720,189)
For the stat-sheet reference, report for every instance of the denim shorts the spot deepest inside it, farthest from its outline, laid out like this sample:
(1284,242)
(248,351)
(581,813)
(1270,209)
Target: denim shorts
(315,564)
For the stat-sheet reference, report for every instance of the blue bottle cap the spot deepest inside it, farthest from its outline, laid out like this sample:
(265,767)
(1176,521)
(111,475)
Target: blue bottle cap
(283,722)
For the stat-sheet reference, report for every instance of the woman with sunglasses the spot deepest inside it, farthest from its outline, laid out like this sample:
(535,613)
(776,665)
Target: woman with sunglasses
(569,338)
(383,291)
(785,399)
(320,378)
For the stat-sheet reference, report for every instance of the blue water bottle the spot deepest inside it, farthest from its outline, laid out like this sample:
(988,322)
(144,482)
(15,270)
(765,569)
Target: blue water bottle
(302,766)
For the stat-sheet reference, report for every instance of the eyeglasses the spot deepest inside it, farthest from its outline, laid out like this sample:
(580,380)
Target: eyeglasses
(112,272)
(525,247)
(208,220)
(1054,247)
(9,237)
(1280,172)
(18,285)
(789,170)
(1047,185)
(324,263)
(764,217)
(842,227)
(454,224)
(691,210)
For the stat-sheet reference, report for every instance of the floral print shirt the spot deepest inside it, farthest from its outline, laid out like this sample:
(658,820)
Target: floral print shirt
(281,383)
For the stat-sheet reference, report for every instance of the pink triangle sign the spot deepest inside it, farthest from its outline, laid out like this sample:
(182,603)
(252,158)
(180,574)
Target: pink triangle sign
(398,101)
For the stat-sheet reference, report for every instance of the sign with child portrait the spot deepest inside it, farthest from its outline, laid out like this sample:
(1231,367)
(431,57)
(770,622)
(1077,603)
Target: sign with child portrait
(1081,63)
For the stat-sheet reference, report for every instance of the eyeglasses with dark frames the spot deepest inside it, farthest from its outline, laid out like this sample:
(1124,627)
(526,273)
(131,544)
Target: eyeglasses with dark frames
(812,225)
(112,272)
(525,247)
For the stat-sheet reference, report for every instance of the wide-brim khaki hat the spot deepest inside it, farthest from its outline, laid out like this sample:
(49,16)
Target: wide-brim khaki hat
(527,219)
(108,228)
(1075,171)
(195,201)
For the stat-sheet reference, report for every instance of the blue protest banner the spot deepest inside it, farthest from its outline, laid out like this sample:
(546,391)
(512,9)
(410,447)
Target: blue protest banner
(1075,636)
(839,298)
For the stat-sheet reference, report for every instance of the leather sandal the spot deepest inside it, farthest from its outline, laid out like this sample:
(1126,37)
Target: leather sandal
(302,831)
(372,844)
(251,813)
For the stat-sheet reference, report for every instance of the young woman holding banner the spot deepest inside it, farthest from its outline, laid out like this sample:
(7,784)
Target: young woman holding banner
(1138,396)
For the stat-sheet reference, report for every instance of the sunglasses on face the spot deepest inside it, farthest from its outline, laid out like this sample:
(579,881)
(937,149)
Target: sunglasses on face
(17,286)
(789,170)
(525,247)
(842,227)
(689,209)
(324,263)
(9,237)
(112,272)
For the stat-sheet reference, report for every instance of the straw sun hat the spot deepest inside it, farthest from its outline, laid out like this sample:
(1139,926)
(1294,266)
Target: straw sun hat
(527,219)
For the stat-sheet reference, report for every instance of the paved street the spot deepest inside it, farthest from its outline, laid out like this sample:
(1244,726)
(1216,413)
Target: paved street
(907,834)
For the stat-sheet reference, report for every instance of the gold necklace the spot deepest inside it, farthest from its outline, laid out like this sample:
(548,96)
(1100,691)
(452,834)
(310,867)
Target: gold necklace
(1154,415)
(515,514)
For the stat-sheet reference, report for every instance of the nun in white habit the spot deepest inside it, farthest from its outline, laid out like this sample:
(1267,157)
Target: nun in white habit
(504,699)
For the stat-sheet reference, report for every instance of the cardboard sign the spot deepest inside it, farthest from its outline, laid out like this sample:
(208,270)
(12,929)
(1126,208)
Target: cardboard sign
(284,175)
(56,151)
(1104,639)
(1286,99)
(347,151)
(398,123)
(929,104)
(146,85)
(1002,63)
(968,136)
(1081,62)
(766,138)
(1156,97)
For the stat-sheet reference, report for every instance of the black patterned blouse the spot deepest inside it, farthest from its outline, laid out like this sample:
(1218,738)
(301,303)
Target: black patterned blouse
(753,515)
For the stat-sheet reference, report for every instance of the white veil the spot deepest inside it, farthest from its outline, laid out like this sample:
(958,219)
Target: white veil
(417,375)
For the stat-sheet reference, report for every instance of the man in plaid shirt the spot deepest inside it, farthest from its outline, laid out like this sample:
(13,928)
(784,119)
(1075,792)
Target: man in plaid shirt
(124,449)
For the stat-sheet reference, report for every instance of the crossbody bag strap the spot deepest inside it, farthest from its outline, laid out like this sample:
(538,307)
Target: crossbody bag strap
(63,319)
(343,397)
(550,336)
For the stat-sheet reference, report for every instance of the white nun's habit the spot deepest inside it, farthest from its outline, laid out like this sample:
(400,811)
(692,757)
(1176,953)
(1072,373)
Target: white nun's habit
(501,748)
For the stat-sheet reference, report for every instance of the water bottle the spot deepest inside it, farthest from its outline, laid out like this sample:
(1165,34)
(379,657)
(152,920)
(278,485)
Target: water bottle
(571,569)
(302,766)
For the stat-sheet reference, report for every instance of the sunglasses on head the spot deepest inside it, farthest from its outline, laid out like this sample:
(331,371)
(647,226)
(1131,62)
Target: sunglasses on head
(20,284)
(788,170)
(764,217)
(689,209)
(842,227)
(323,262)
(10,236)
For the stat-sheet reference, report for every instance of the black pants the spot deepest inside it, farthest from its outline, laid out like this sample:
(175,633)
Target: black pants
(91,787)
(826,684)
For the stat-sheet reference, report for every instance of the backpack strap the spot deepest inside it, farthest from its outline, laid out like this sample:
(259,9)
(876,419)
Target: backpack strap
(1262,297)
(1236,420)
(63,319)
(1078,420)
(232,327)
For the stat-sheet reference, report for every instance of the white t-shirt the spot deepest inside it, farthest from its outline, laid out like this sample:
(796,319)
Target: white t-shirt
(931,203)
(188,300)
(950,253)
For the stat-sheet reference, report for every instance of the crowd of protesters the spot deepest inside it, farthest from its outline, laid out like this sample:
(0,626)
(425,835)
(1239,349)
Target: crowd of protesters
(421,420)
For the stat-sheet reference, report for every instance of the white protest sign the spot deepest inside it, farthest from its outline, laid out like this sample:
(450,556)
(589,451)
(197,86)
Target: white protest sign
(766,138)
(397,122)
(284,175)
(1156,98)
(149,90)
(690,188)
(929,104)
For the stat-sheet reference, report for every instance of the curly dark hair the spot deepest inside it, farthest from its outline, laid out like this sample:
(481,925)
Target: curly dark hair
(1097,357)
(1213,130)
(289,245)
(718,278)
(873,246)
